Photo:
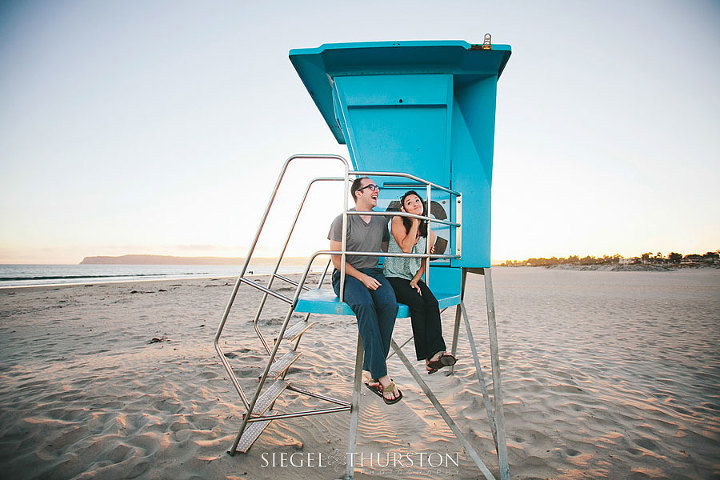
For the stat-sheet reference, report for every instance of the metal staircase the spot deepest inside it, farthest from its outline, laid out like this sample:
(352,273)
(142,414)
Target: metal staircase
(259,405)
(258,408)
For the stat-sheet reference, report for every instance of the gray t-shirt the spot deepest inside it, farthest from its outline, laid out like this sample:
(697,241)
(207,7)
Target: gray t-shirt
(361,237)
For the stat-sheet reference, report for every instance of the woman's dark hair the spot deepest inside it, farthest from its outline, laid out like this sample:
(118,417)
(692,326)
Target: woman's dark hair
(423,228)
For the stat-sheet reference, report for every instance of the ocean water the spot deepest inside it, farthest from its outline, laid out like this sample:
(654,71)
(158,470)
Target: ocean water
(33,275)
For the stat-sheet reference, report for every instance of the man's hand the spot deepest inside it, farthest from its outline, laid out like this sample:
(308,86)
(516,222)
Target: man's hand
(370,282)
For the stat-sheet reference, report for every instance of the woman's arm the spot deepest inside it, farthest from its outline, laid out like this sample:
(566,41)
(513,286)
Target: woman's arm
(404,239)
(423,264)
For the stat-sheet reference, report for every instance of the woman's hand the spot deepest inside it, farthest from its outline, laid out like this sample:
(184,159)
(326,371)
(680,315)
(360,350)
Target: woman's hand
(415,222)
(370,282)
(413,284)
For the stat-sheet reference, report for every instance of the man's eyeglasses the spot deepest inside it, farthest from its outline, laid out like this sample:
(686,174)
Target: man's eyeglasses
(372,187)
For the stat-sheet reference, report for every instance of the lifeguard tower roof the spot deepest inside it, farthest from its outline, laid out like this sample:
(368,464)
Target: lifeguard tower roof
(318,66)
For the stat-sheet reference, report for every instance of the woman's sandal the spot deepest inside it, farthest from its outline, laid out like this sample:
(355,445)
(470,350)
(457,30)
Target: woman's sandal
(392,388)
(445,360)
(448,360)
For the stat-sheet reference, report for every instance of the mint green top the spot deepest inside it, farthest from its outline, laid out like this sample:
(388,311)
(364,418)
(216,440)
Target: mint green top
(403,267)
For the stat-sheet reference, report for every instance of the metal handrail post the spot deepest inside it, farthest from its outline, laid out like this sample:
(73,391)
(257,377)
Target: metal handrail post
(237,286)
(282,253)
(228,307)
(427,240)
(343,257)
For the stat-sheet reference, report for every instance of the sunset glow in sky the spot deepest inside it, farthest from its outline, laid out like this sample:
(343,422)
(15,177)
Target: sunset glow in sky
(159,127)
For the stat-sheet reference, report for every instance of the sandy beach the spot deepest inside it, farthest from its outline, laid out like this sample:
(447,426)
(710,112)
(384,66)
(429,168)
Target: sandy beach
(606,375)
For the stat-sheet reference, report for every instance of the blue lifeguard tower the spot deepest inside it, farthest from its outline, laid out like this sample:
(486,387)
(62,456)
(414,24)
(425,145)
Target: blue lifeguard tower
(418,115)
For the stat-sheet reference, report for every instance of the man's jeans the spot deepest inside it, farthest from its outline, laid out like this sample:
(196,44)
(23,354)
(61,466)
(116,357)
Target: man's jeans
(375,311)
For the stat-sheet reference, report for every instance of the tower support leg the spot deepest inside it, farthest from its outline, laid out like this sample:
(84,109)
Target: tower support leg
(443,413)
(495,411)
(497,382)
(354,411)
(480,375)
(458,316)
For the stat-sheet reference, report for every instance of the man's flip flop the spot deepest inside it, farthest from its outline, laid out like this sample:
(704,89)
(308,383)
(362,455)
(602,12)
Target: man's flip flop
(391,387)
(375,387)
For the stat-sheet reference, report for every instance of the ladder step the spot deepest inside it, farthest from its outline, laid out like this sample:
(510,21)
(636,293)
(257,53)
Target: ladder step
(251,433)
(296,330)
(282,364)
(267,398)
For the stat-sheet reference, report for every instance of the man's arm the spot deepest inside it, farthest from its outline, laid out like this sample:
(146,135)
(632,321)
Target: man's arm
(367,280)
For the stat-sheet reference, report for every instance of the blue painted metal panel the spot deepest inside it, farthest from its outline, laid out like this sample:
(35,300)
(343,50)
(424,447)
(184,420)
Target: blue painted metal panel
(425,108)
(398,122)
(472,161)
(319,66)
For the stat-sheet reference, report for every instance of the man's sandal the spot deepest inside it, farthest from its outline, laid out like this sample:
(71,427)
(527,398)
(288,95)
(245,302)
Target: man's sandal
(392,388)
(374,386)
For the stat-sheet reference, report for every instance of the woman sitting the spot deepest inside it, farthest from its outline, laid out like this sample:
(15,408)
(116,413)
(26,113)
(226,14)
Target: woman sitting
(409,235)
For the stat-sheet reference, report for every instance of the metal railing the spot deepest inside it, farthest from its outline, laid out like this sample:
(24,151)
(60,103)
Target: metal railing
(226,313)
(429,186)
(300,285)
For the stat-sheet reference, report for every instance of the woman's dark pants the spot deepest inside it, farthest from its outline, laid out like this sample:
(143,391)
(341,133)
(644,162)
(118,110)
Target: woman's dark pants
(424,315)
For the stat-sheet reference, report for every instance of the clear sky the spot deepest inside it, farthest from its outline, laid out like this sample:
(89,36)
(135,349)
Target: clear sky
(160,126)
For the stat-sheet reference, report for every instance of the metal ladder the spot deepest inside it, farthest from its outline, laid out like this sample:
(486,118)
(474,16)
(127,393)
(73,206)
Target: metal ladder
(259,407)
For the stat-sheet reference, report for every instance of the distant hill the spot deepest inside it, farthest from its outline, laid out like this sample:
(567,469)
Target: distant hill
(171,260)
